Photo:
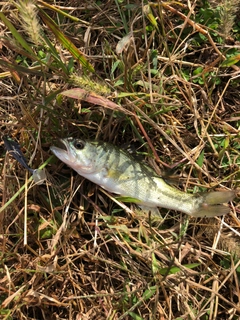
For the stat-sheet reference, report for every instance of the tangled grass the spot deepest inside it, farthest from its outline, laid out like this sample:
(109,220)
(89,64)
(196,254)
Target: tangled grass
(160,79)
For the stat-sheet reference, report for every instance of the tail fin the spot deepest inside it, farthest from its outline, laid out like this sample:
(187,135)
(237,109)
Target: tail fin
(211,204)
(217,197)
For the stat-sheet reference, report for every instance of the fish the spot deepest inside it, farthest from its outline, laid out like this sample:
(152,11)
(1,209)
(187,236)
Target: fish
(116,171)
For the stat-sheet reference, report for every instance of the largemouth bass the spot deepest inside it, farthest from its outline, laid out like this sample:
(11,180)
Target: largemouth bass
(117,171)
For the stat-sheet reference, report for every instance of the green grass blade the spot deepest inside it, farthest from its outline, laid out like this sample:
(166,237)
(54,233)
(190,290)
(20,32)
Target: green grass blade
(55,55)
(15,33)
(65,14)
(24,186)
(77,54)
(15,67)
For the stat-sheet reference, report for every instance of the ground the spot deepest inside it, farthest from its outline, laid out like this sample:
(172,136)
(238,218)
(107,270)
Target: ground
(158,79)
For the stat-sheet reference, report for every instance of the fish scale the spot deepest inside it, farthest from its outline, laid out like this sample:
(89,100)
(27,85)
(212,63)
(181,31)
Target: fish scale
(118,172)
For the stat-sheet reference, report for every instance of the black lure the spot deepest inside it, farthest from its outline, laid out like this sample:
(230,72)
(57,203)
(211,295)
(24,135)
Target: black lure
(15,150)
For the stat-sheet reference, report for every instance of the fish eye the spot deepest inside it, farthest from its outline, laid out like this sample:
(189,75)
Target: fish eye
(78,144)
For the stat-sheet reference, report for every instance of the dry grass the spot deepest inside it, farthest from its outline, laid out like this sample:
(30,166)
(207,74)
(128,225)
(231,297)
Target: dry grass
(170,92)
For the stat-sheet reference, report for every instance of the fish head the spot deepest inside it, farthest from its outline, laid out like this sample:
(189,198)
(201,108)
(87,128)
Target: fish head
(78,154)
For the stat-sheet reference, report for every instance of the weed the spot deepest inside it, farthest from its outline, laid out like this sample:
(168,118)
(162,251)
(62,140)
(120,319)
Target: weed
(158,78)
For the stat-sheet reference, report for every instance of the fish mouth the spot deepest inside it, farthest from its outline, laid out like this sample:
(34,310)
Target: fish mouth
(61,149)
(61,144)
